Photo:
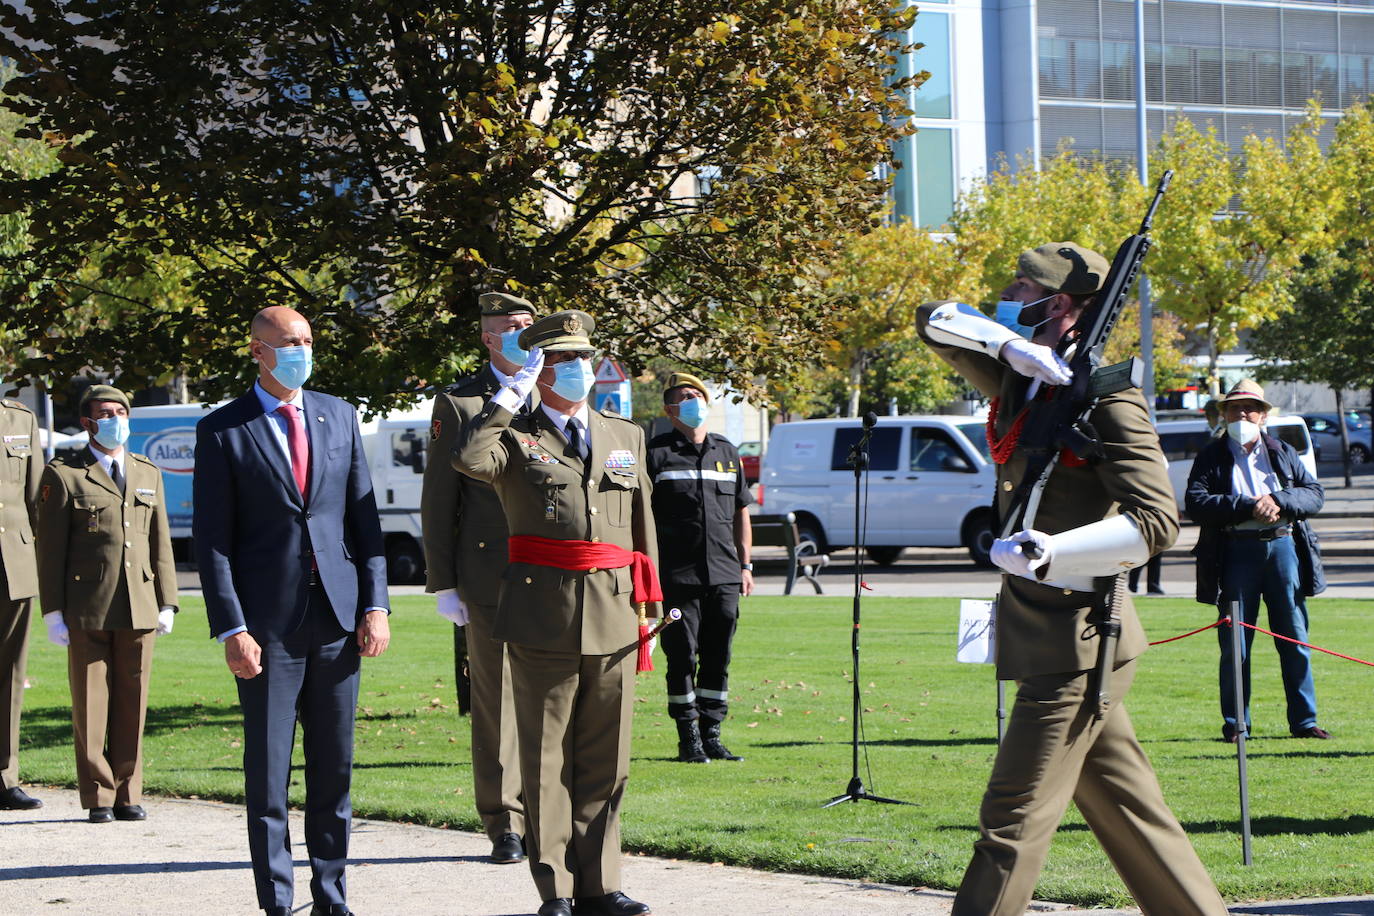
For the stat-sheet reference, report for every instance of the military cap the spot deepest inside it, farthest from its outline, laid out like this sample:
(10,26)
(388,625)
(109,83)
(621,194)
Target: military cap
(571,330)
(1064,267)
(504,304)
(102,393)
(1246,389)
(686,380)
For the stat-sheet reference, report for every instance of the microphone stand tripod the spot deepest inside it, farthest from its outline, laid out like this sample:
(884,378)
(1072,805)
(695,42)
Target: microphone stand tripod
(858,457)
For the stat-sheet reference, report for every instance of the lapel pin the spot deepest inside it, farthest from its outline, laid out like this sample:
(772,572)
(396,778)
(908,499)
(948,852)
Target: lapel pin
(321,419)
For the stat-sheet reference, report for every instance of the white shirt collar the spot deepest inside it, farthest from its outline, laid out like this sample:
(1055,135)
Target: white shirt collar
(271,402)
(561,420)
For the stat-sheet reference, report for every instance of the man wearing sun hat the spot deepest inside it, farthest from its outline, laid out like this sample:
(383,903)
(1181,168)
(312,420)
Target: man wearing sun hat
(465,552)
(1252,497)
(582,553)
(701,510)
(1094,520)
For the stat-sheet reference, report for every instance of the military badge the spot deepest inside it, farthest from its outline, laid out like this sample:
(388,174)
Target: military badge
(434,428)
(620,458)
(572,324)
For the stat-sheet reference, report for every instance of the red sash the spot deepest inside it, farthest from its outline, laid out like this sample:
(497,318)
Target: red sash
(581,556)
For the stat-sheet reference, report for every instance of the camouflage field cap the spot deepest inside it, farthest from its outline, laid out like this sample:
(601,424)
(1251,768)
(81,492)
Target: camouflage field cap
(504,304)
(686,380)
(102,393)
(1064,267)
(570,330)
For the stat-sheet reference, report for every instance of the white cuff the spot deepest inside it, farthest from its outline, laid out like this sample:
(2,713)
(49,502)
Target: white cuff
(960,325)
(50,616)
(1103,548)
(508,398)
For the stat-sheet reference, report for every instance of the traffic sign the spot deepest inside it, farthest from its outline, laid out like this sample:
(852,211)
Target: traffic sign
(608,371)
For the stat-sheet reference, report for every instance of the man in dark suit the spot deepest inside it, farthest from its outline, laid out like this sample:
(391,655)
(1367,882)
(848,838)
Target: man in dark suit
(294,575)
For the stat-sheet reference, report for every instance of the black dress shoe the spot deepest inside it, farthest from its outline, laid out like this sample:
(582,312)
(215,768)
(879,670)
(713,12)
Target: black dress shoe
(613,904)
(330,909)
(16,799)
(558,906)
(277,911)
(100,816)
(1313,731)
(508,850)
(130,813)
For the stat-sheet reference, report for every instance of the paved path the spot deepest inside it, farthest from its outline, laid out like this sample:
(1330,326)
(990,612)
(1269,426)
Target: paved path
(191,856)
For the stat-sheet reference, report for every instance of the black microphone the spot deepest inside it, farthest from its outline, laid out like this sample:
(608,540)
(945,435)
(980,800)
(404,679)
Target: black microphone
(870,420)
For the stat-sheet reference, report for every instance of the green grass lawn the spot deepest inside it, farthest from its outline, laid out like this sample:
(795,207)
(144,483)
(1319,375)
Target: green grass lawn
(931,737)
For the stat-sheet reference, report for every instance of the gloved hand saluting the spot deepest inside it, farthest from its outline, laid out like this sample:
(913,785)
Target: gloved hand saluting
(1009,554)
(1036,361)
(513,395)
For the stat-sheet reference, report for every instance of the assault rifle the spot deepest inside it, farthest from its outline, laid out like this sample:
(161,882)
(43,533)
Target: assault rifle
(1062,423)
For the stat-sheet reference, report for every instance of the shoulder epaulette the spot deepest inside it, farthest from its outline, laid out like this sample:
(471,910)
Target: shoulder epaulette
(144,458)
(14,405)
(613,415)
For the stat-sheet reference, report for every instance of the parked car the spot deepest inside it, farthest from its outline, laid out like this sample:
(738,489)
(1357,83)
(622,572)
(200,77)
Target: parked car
(749,454)
(1183,439)
(1326,436)
(931,484)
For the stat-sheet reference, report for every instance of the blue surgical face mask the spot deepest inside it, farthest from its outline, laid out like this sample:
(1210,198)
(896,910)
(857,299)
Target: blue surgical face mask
(693,412)
(293,366)
(573,379)
(112,432)
(1008,315)
(510,348)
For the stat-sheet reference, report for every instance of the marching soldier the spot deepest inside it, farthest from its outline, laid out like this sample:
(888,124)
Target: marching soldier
(20,467)
(109,588)
(701,510)
(465,551)
(1094,519)
(576,496)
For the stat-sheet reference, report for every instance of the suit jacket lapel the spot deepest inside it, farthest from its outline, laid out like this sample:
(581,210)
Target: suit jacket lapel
(554,442)
(600,432)
(96,474)
(318,434)
(260,428)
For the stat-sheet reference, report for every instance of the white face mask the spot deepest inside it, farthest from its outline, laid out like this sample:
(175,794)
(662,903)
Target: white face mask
(1243,431)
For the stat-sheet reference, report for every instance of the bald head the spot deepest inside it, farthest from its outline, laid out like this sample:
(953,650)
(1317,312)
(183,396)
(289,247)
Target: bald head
(274,328)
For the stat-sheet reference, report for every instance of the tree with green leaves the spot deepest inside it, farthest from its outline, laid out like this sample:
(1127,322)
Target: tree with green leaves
(680,171)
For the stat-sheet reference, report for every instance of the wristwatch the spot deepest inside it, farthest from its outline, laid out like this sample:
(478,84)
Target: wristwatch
(749,567)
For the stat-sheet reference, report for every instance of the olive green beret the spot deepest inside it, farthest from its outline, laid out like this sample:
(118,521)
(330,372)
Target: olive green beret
(102,393)
(1064,267)
(504,304)
(571,330)
(686,380)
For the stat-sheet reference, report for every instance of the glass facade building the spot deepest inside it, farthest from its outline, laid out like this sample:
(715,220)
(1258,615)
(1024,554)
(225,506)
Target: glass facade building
(1013,79)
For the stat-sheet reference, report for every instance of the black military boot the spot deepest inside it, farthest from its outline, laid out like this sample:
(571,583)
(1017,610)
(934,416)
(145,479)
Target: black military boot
(689,749)
(710,743)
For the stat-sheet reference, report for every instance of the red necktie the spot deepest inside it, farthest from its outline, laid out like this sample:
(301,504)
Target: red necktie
(296,444)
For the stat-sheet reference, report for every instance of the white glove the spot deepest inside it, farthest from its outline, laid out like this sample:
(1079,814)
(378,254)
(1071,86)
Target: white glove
(451,607)
(513,395)
(1036,361)
(653,644)
(165,619)
(58,634)
(1009,553)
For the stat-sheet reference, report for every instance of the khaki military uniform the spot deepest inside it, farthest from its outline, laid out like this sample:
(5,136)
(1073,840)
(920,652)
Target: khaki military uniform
(107,565)
(21,464)
(571,635)
(1055,749)
(465,548)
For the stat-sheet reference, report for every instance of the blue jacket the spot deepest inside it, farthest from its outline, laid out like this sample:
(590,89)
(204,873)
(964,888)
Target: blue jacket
(254,536)
(1210,503)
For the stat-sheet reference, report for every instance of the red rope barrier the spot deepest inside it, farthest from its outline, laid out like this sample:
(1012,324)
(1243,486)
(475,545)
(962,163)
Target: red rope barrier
(1226,621)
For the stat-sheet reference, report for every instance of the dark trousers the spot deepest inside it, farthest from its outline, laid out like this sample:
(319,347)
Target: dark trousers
(14,653)
(310,674)
(109,672)
(1153,571)
(698,650)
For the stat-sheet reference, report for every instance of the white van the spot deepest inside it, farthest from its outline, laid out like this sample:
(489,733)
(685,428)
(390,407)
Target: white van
(1183,439)
(397,448)
(931,483)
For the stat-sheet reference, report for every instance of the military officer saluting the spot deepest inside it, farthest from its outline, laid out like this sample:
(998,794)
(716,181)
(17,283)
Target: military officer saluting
(20,467)
(576,495)
(701,510)
(109,588)
(465,551)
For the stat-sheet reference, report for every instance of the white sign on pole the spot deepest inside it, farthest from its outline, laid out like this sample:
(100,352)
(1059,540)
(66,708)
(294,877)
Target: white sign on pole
(977,636)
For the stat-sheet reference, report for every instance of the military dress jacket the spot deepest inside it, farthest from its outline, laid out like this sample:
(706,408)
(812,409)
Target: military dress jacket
(464,526)
(21,465)
(1043,629)
(547,491)
(698,492)
(92,535)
